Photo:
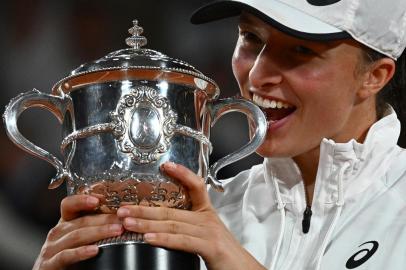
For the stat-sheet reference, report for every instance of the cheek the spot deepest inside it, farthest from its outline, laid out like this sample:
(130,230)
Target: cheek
(312,77)
(333,78)
(321,92)
(328,97)
(236,66)
(324,86)
(241,65)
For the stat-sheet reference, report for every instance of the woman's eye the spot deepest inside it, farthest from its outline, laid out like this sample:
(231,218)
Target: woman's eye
(250,37)
(304,50)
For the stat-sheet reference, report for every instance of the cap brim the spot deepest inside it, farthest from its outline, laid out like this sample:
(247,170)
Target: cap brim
(281,16)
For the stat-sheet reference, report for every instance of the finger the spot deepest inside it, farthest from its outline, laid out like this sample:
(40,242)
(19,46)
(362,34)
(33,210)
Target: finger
(70,256)
(92,220)
(73,206)
(179,242)
(168,226)
(191,182)
(64,227)
(156,213)
(87,235)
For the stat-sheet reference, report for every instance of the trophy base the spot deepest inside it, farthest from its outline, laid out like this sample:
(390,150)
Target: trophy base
(137,256)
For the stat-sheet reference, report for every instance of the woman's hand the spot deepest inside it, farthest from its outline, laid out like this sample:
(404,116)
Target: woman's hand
(71,240)
(198,231)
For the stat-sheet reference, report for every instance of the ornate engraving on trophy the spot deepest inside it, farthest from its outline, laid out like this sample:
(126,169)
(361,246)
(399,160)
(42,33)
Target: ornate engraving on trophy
(144,123)
(119,133)
(113,194)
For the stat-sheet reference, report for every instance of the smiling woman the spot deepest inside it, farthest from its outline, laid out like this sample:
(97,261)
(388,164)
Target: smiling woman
(317,79)
(326,83)
(329,192)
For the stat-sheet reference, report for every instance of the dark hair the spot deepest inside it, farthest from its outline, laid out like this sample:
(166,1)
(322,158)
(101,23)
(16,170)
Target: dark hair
(394,92)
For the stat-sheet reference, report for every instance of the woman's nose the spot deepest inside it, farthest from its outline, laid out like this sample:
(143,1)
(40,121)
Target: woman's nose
(265,72)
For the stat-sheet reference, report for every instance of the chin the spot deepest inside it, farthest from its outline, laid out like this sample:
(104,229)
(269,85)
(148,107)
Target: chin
(265,150)
(268,150)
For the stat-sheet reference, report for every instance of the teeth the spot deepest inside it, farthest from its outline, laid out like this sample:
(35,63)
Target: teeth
(267,103)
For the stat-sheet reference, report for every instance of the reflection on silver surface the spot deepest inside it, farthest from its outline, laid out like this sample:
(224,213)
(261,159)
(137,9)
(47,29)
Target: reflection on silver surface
(145,127)
(123,116)
(144,123)
(125,238)
(60,106)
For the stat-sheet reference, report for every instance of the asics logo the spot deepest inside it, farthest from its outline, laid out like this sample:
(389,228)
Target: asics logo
(363,255)
(322,2)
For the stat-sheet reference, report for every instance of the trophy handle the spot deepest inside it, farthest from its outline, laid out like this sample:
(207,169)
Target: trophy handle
(217,109)
(58,105)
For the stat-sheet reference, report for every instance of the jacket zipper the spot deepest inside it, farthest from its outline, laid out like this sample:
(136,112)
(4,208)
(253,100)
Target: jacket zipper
(307,214)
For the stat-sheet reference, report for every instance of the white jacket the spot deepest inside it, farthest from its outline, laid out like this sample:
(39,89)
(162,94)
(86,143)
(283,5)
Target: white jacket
(359,207)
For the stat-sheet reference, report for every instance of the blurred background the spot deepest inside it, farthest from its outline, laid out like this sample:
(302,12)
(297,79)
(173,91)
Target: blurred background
(41,42)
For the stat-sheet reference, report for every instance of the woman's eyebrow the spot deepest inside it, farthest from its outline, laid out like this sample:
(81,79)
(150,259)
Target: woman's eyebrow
(245,18)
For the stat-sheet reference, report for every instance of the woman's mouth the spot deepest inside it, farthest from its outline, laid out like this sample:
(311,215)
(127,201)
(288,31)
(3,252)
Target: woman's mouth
(274,109)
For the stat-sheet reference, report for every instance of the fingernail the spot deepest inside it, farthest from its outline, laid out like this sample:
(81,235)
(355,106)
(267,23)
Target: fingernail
(130,222)
(123,212)
(92,201)
(115,228)
(170,165)
(91,249)
(149,236)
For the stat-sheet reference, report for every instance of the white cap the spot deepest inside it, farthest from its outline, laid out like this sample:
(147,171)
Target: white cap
(378,24)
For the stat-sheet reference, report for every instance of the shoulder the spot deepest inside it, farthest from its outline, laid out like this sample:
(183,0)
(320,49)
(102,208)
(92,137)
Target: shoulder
(395,177)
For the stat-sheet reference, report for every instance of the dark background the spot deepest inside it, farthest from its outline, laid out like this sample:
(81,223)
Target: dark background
(40,43)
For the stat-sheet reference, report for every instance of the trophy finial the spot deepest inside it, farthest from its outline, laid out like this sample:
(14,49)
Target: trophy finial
(136,41)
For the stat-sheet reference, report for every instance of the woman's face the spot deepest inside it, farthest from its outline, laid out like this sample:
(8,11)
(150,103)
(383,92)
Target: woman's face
(308,89)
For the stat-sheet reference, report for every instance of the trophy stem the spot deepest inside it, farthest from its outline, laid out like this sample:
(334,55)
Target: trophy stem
(137,256)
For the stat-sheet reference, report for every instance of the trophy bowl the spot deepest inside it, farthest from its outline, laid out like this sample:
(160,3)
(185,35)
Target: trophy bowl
(122,116)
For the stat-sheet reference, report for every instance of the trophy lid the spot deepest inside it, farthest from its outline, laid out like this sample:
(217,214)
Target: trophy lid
(136,63)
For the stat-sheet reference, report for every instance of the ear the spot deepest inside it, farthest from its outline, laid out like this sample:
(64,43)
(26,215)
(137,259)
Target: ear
(377,75)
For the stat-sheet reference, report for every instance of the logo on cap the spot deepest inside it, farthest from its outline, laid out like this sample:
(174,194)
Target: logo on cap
(322,2)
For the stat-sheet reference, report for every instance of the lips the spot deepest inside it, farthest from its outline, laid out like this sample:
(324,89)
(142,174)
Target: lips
(273,108)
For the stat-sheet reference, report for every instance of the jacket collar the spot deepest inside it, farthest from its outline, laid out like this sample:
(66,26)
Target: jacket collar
(362,161)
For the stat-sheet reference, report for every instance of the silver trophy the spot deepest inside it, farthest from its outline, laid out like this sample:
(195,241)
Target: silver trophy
(124,115)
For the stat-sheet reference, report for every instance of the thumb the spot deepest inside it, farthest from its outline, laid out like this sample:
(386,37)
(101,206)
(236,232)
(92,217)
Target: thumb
(73,206)
(193,184)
